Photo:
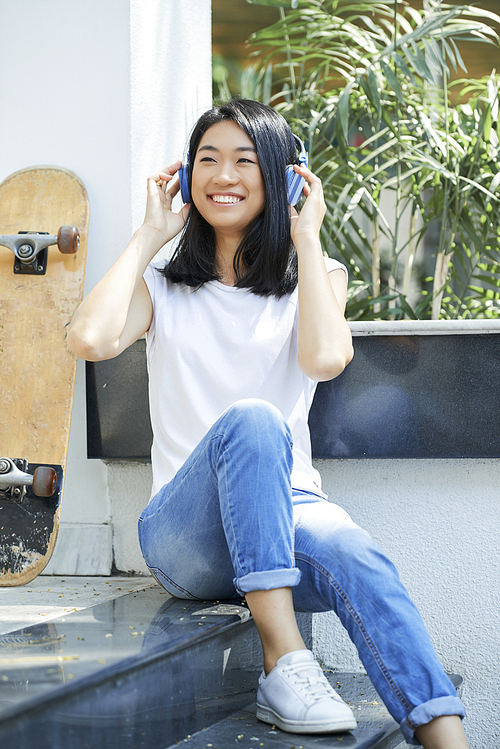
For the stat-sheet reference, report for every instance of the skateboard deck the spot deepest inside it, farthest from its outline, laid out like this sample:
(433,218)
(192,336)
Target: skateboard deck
(40,288)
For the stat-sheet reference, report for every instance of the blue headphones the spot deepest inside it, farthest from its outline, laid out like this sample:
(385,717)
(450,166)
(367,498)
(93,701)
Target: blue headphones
(294,182)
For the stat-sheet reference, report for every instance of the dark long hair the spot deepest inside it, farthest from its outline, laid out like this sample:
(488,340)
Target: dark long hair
(266,251)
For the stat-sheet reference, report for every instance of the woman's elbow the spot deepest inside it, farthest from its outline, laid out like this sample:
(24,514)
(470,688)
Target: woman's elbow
(79,346)
(86,348)
(327,367)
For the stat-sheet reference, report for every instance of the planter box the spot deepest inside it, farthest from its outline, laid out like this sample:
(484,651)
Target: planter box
(413,390)
(420,389)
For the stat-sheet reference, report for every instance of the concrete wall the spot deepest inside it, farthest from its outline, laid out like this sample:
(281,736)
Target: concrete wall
(438,520)
(110,90)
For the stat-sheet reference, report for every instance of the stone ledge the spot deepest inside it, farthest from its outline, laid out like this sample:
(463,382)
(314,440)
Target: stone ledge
(82,549)
(424,327)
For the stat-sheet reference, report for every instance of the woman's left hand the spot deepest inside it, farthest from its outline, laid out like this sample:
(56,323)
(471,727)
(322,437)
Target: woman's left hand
(307,223)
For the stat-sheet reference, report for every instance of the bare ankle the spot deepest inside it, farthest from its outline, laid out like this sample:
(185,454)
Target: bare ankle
(273,614)
(445,732)
(271,658)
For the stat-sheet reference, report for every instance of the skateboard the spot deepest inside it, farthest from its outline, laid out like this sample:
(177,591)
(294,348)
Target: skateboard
(44,215)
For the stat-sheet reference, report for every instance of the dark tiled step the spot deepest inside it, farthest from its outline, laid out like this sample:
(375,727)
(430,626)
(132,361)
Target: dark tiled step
(375,730)
(137,672)
(145,671)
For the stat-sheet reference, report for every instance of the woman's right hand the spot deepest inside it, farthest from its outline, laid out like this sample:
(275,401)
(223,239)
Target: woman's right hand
(162,188)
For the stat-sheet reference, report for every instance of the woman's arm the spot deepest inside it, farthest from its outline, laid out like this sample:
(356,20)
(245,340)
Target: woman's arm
(118,310)
(324,338)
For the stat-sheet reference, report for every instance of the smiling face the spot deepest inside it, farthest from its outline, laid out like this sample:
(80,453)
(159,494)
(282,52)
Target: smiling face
(227,186)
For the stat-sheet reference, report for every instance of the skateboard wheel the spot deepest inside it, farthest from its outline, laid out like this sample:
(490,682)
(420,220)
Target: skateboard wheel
(44,481)
(68,239)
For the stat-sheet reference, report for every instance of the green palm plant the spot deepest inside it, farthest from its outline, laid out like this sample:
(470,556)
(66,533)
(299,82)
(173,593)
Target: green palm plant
(366,86)
(466,204)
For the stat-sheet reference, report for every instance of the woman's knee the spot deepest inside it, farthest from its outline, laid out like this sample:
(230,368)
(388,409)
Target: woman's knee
(256,419)
(256,410)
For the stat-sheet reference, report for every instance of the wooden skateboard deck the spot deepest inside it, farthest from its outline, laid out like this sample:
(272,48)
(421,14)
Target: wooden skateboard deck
(37,371)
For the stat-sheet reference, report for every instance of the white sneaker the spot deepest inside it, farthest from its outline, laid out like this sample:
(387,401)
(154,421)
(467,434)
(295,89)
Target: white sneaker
(296,697)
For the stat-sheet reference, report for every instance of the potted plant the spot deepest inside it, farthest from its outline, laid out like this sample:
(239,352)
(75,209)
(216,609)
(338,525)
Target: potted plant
(367,87)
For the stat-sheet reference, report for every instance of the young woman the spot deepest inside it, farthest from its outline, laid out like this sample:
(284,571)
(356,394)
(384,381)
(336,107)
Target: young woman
(241,324)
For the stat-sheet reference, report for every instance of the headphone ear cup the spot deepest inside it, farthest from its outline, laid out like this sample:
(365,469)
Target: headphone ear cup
(183,181)
(294,184)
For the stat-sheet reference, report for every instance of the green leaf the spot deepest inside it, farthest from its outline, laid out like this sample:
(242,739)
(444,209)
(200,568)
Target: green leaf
(385,146)
(458,55)
(371,87)
(448,52)
(427,72)
(404,68)
(343,109)
(406,308)
(487,125)
(435,58)
(432,133)
(392,80)
(479,187)
(415,63)
(495,182)
(267,85)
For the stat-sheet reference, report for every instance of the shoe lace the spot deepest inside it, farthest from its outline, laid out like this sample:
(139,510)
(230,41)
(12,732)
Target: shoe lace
(311,680)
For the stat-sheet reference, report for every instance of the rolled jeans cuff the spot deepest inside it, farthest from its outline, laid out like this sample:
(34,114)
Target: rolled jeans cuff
(267,580)
(426,712)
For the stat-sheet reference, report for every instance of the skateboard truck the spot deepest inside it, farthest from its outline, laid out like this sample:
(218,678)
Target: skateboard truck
(14,479)
(30,247)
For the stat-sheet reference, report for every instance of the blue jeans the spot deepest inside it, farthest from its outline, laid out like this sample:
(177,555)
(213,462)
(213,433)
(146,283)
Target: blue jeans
(229,523)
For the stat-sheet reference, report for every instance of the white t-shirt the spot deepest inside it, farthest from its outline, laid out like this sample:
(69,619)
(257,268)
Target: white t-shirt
(210,347)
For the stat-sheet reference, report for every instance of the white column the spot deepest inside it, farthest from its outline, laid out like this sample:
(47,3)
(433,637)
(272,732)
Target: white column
(170,86)
(171,83)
